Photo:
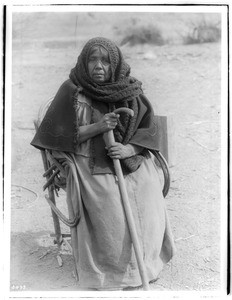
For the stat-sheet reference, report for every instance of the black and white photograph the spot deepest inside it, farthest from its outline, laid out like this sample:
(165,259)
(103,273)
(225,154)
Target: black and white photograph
(116,151)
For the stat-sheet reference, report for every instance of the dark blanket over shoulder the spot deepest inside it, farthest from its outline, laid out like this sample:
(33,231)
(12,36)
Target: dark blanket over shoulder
(59,129)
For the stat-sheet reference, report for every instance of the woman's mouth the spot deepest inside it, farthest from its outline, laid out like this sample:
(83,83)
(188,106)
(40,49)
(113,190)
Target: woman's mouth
(98,75)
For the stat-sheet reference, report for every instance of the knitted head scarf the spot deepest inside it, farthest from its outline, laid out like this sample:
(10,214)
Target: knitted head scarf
(121,86)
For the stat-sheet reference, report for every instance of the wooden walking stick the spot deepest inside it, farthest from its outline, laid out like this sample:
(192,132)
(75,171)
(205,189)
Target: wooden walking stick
(109,140)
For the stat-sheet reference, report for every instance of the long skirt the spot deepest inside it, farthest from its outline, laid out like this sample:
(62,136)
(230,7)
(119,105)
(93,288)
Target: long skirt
(101,242)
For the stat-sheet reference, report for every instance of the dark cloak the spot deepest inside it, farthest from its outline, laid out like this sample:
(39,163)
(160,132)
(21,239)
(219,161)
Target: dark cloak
(59,128)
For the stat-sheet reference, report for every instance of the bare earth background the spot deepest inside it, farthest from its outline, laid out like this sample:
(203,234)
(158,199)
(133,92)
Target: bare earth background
(180,80)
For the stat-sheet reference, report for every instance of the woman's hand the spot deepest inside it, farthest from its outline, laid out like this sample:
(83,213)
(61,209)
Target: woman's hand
(108,122)
(120,151)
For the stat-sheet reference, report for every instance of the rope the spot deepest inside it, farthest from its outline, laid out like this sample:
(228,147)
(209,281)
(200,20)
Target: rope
(71,223)
(25,188)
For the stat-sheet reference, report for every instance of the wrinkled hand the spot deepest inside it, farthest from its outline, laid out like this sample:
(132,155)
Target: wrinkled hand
(108,122)
(120,151)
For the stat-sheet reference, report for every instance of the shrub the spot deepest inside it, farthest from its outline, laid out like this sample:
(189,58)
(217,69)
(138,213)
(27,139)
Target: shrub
(203,33)
(142,34)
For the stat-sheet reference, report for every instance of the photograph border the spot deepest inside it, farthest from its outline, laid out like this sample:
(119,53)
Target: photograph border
(225,109)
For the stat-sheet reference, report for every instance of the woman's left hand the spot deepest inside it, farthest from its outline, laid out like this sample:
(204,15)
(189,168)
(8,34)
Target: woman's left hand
(120,151)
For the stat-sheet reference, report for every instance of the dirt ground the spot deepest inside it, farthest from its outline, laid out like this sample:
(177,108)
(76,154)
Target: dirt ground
(182,81)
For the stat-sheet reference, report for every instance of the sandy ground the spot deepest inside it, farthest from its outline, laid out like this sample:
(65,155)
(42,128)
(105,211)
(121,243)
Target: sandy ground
(180,80)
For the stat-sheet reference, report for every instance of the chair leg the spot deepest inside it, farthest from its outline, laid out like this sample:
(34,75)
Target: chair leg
(56,221)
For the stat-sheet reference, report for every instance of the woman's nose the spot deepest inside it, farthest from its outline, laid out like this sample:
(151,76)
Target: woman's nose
(98,65)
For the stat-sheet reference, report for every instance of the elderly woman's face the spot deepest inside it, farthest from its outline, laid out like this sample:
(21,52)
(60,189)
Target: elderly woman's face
(99,64)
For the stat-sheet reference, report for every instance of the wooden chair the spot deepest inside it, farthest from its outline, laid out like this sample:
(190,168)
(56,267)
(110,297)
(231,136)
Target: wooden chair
(55,180)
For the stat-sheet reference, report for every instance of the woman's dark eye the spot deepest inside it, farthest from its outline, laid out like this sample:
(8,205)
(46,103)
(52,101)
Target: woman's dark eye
(105,60)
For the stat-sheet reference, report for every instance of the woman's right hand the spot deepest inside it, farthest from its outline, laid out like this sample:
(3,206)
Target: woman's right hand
(108,122)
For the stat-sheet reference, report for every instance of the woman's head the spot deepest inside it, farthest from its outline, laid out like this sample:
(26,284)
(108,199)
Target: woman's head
(104,55)
(102,74)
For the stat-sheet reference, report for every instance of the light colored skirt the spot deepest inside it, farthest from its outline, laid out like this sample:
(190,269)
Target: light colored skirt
(101,242)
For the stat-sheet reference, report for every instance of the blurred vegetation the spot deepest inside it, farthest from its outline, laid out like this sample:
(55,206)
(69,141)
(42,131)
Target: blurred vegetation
(202,32)
(125,28)
(195,32)
(142,34)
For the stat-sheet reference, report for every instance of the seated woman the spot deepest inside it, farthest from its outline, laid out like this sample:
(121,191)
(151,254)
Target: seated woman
(81,112)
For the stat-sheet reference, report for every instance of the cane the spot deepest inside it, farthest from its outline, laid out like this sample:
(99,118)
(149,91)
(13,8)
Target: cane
(109,140)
